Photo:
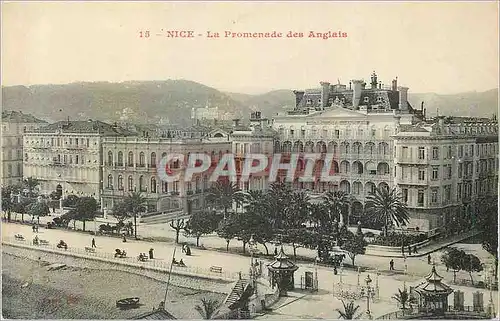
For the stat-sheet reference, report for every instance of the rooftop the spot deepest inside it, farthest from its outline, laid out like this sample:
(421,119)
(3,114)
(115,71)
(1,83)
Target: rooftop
(88,126)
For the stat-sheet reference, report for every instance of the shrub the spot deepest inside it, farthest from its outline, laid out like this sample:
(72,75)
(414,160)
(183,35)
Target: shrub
(398,239)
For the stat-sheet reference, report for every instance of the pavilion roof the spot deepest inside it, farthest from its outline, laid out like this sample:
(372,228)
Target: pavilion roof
(433,284)
(282,262)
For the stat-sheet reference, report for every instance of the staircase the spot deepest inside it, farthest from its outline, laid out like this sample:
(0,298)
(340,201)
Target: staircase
(162,218)
(236,293)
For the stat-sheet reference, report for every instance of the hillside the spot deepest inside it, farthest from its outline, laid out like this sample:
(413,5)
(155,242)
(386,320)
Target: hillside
(171,101)
(474,104)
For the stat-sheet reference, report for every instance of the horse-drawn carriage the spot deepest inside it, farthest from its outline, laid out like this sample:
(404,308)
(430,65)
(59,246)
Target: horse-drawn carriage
(120,253)
(19,237)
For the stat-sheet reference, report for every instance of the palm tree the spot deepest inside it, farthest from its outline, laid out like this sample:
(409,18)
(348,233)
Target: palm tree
(134,204)
(224,194)
(386,205)
(30,184)
(349,312)
(208,308)
(403,297)
(336,203)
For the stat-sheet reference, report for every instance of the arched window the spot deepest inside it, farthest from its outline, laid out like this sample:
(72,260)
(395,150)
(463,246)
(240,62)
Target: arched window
(120,158)
(141,183)
(153,185)
(130,159)
(110,181)
(130,184)
(110,158)
(153,160)
(120,183)
(142,160)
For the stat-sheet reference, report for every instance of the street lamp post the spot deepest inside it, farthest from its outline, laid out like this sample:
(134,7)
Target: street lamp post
(368,294)
(406,271)
(252,247)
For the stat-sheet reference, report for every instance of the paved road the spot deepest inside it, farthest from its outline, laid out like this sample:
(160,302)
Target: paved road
(312,304)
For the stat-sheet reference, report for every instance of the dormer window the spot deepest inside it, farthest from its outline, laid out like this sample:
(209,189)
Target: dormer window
(379,99)
(309,101)
(366,99)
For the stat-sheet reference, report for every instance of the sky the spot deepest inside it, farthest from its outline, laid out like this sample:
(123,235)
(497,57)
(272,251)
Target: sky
(443,47)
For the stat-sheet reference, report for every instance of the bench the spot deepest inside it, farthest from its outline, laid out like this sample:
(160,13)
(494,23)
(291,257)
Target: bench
(89,249)
(44,242)
(216,269)
(19,237)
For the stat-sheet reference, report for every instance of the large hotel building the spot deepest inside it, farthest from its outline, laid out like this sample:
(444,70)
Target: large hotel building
(378,140)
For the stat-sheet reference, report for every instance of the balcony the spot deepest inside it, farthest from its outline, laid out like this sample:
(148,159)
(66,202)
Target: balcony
(411,161)
(57,163)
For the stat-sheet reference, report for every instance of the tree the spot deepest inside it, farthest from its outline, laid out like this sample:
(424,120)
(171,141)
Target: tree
(135,204)
(471,263)
(70,201)
(120,211)
(201,223)
(298,237)
(22,207)
(386,204)
(349,312)
(227,229)
(453,259)
(336,203)
(85,209)
(30,184)
(224,193)
(208,308)
(38,209)
(486,222)
(177,226)
(279,198)
(354,244)
(403,297)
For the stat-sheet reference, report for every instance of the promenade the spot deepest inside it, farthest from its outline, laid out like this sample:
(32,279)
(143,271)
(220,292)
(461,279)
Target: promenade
(321,302)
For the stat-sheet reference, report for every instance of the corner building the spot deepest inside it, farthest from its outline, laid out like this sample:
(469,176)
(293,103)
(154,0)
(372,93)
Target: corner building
(379,140)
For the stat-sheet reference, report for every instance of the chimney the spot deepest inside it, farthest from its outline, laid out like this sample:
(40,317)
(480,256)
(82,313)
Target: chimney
(441,122)
(422,107)
(236,122)
(395,84)
(350,85)
(356,94)
(425,109)
(374,81)
(397,120)
(403,98)
(325,90)
(298,97)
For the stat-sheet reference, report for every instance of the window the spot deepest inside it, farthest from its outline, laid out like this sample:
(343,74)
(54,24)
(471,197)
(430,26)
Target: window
(405,195)
(421,174)
(309,102)
(110,158)
(459,190)
(130,184)
(153,185)
(164,187)
(71,159)
(141,159)
(176,186)
(130,159)
(435,152)
(460,169)
(291,133)
(420,198)
(435,171)
(366,99)
(76,159)
(434,196)
(460,151)
(447,193)
(120,158)
(76,141)
(88,142)
(448,152)
(404,152)
(153,160)
(421,153)
(303,133)
(141,183)
(110,181)
(337,133)
(120,183)
(373,132)
(82,160)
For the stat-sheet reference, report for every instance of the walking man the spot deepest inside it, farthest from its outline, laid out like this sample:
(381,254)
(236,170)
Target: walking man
(403,250)
(391,265)
(409,250)
(93,242)
(429,259)
(415,250)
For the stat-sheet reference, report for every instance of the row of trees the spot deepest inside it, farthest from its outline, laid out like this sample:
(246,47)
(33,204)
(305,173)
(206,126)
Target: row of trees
(27,204)
(282,215)
(457,260)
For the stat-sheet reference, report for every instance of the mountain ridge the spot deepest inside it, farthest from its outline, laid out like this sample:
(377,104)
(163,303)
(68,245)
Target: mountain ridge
(170,101)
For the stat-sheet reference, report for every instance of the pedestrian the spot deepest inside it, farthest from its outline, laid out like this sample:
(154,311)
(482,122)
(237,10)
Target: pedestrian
(183,248)
(275,251)
(93,242)
(33,228)
(415,250)
(391,265)
(429,259)
(409,250)
(403,250)
(124,239)
(151,253)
